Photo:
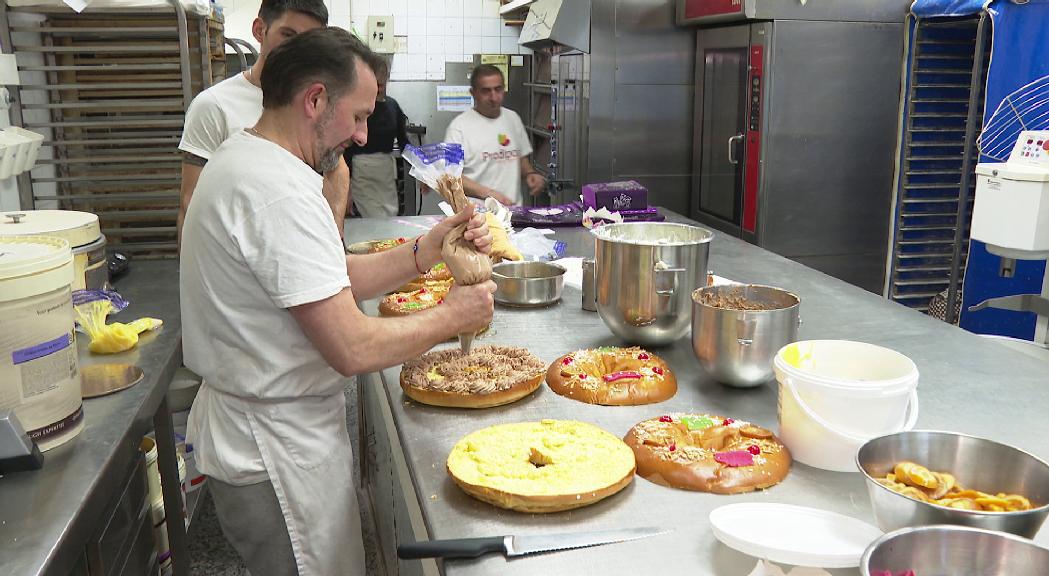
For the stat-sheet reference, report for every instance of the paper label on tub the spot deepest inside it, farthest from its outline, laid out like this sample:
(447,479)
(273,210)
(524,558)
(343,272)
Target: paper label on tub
(41,350)
(45,366)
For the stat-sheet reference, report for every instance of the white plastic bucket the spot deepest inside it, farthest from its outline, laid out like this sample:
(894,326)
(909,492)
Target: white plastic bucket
(39,376)
(835,395)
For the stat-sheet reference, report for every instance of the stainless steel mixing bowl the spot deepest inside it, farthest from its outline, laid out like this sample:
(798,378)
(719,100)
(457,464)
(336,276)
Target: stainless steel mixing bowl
(976,463)
(737,346)
(943,550)
(528,283)
(646,272)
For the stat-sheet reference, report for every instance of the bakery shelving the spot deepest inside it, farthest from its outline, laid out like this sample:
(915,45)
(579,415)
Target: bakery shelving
(109,89)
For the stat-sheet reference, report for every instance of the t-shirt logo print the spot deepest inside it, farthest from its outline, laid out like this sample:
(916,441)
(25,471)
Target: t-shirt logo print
(504,140)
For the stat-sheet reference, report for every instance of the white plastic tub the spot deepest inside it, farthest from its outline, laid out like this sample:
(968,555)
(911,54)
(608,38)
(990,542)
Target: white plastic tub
(834,395)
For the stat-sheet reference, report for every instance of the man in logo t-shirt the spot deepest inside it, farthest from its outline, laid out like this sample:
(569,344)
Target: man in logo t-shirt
(495,142)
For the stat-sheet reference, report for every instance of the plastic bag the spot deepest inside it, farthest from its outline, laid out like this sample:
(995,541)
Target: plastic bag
(440,166)
(534,244)
(93,306)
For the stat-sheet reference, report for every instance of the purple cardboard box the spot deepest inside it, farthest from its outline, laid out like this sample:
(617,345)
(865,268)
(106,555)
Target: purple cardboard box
(616,196)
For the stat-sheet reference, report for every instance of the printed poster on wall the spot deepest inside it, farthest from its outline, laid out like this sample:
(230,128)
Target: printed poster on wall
(454,98)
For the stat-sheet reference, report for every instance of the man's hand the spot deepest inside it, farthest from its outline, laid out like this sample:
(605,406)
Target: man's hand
(472,305)
(502,198)
(536,183)
(476,232)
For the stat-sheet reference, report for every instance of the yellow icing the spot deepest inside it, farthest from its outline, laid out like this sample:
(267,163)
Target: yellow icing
(550,457)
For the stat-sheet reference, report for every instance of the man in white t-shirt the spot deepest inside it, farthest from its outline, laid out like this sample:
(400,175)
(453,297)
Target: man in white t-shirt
(270,320)
(495,142)
(236,103)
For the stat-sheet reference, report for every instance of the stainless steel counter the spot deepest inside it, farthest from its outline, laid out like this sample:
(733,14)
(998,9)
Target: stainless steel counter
(48,516)
(968,384)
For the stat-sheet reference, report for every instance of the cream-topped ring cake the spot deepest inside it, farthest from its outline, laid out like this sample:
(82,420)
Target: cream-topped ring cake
(544,466)
(488,376)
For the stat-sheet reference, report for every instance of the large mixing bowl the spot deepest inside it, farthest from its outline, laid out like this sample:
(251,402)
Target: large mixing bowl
(935,550)
(646,272)
(976,463)
(737,346)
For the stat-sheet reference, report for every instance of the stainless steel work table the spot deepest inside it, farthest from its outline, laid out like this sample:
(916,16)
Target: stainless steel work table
(968,384)
(48,516)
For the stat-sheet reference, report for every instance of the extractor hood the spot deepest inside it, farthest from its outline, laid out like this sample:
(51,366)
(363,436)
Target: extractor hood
(556,25)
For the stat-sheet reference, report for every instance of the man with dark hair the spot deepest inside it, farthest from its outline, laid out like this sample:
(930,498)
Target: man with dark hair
(235,103)
(373,169)
(270,321)
(495,142)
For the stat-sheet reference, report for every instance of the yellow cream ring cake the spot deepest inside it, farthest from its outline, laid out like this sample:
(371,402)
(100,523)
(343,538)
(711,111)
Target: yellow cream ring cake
(488,376)
(544,466)
(612,376)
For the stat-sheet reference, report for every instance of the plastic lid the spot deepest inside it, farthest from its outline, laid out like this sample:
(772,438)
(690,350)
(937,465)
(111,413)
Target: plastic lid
(793,534)
(78,228)
(31,255)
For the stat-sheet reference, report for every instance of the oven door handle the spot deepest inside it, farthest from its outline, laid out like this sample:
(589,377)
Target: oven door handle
(732,148)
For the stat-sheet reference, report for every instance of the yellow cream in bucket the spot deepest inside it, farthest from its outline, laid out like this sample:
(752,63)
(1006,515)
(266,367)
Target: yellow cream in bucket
(836,394)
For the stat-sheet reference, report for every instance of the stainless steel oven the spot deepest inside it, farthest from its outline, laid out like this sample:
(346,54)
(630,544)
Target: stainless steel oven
(794,124)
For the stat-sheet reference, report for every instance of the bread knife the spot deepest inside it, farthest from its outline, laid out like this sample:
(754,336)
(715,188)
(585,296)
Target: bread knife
(512,546)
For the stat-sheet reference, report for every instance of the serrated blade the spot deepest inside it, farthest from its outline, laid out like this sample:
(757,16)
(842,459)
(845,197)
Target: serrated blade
(520,545)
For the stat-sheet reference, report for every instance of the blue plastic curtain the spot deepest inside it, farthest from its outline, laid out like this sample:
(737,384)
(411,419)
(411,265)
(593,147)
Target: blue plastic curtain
(1019,55)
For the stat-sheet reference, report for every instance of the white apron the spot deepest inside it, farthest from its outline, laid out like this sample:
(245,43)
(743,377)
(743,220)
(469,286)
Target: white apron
(307,455)
(373,183)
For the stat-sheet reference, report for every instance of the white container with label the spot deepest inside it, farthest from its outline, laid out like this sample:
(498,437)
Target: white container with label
(80,229)
(39,377)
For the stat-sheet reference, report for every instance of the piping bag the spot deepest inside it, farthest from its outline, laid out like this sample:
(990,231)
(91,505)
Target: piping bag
(440,166)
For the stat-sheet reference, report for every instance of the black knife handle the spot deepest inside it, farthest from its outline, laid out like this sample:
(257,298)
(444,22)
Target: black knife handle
(455,548)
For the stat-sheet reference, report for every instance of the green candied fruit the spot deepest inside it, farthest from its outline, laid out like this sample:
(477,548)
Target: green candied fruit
(413,306)
(607,349)
(697,422)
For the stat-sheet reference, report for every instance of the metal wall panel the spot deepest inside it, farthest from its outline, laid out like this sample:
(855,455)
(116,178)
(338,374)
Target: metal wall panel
(639,99)
(833,10)
(832,105)
(653,141)
(649,48)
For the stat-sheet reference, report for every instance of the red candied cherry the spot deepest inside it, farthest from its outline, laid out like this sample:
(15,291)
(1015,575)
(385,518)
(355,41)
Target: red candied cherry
(441,301)
(657,370)
(582,376)
(672,447)
(402,240)
(727,421)
(665,418)
(754,449)
(643,356)
(567,360)
(422,290)
(401,299)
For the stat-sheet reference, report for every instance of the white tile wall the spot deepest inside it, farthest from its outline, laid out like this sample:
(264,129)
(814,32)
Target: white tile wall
(491,45)
(491,27)
(437,31)
(453,45)
(472,45)
(417,44)
(435,46)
